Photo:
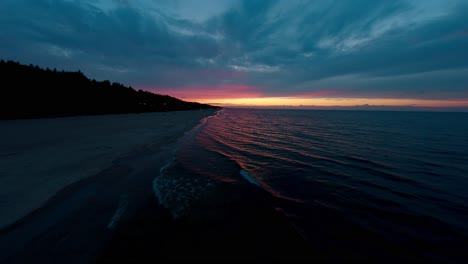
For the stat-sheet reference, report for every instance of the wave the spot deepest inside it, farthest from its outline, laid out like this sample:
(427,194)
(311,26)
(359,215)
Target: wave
(249,178)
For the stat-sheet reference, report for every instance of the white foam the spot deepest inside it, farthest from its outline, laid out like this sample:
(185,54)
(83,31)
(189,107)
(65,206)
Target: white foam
(249,178)
(176,189)
(156,187)
(123,204)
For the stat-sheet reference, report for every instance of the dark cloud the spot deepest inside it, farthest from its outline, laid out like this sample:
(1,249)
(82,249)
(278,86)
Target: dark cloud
(362,48)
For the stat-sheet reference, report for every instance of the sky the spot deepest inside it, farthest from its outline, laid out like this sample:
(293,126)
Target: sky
(251,52)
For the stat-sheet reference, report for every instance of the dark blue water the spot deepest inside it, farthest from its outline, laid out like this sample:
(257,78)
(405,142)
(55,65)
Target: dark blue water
(345,179)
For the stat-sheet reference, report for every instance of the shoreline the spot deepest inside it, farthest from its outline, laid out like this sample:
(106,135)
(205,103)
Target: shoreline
(83,210)
(240,224)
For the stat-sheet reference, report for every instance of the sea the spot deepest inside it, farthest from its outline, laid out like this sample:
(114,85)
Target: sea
(352,183)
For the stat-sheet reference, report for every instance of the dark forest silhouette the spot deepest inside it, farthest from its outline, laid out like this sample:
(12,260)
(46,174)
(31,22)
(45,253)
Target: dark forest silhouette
(32,92)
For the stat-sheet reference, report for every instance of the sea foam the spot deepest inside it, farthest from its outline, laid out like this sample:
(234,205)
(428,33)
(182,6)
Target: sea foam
(249,178)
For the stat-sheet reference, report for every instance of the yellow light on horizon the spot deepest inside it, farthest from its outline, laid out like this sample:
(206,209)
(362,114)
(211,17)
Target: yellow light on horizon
(294,101)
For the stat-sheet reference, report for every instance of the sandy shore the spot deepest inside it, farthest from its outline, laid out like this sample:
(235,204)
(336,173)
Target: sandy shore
(76,177)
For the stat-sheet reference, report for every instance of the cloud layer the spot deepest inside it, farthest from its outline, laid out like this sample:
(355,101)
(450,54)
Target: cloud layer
(364,48)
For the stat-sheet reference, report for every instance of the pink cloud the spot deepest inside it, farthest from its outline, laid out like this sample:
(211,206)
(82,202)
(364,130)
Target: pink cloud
(173,75)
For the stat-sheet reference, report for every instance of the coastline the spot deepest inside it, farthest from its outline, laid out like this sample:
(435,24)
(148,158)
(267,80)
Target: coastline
(87,208)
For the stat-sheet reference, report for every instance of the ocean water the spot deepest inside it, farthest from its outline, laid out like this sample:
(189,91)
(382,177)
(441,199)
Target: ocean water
(350,182)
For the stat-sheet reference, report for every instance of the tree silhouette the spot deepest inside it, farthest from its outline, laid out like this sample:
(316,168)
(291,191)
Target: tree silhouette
(32,92)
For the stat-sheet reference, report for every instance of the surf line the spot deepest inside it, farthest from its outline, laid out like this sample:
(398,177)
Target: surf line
(123,204)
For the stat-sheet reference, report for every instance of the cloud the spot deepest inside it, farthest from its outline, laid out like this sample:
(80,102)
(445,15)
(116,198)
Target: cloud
(211,91)
(255,68)
(363,48)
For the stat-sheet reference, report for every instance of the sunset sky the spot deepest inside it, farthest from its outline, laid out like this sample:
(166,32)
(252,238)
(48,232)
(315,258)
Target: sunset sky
(254,53)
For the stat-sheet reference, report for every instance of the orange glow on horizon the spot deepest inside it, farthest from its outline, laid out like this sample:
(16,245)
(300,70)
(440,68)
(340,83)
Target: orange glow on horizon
(328,102)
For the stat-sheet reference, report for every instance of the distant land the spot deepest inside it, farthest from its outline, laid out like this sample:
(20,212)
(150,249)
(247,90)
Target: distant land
(28,91)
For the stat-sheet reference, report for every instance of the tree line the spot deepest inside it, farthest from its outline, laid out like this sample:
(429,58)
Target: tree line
(28,91)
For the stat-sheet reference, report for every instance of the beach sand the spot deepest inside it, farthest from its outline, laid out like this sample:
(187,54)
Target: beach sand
(65,183)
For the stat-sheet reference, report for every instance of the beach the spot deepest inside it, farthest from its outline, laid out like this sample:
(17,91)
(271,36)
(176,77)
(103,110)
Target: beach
(65,183)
